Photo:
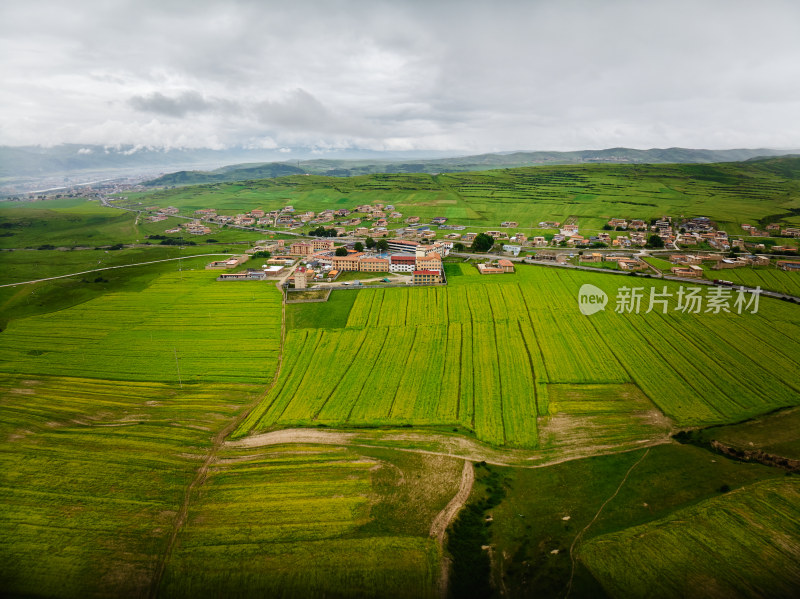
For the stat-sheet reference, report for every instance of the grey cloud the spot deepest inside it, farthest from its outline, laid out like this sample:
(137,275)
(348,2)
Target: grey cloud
(178,106)
(514,74)
(297,110)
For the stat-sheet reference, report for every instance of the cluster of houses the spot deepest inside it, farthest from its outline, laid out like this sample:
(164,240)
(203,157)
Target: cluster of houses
(422,262)
(373,220)
(689,265)
(771,229)
(623,262)
(161,213)
(500,267)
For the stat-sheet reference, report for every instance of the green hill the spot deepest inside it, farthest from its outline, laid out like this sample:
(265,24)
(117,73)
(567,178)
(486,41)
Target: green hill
(352,168)
(729,193)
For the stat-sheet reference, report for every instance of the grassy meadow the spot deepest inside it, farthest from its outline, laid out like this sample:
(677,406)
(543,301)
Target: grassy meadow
(75,222)
(531,538)
(93,476)
(701,551)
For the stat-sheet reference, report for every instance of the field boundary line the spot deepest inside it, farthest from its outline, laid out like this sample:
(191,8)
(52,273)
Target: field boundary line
(499,380)
(533,371)
(372,368)
(364,335)
(536,339)
(406,369)
(460,365)
(86,272)
(202,472)
(596,516)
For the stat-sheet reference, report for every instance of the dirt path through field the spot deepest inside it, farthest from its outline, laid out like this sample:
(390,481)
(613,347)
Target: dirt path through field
(443,518)
(452,446)
(447,515)
(596,516)
(211,457)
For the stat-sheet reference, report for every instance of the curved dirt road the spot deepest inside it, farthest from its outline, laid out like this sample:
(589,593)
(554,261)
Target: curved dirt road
(443,518)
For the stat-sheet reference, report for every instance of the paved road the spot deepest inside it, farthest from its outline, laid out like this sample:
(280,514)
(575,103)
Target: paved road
(659,275)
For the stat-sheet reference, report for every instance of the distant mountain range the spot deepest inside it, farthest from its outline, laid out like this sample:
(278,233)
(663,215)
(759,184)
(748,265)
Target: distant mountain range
(32,167)
(349,168)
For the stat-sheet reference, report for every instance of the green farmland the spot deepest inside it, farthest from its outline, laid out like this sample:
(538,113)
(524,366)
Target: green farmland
(486,356)
(179,329)
(766,278)
(163,434)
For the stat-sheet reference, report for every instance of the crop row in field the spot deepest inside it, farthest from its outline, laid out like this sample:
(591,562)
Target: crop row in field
(480,353)
(771,279)
(301,521)
(184,327)
(435,375)
(742,544)
(698,368)
(92,474)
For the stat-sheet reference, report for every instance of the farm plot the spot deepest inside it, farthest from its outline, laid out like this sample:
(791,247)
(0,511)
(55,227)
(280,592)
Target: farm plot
(766,278)
(185,327)
(482,355)
(92,474)
(587,419)
(742,544)
(310,521)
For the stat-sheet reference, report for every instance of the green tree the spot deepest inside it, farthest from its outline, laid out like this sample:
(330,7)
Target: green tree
(458,247)
(370,242)
(341,251)
(382,245)
(654,241)
(261,254)
(482,243)
(359,247)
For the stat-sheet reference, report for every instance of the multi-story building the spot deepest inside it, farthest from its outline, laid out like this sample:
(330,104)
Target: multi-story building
(427,277)
(300,278)
(432,261)
(403,246)
(402,263)
(321,244)
(349,262)
(301,248)
(374,264)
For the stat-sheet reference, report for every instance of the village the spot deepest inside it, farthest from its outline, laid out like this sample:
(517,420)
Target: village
(413,252)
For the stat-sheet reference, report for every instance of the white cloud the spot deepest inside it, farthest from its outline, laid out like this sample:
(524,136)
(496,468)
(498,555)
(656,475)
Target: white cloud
(467,75)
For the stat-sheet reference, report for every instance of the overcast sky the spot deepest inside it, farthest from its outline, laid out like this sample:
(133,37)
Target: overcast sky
(402,75)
